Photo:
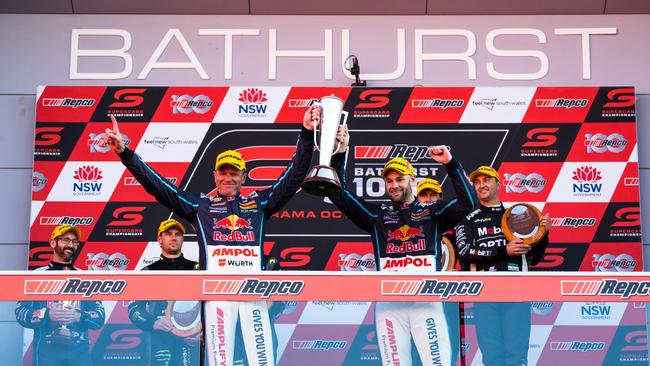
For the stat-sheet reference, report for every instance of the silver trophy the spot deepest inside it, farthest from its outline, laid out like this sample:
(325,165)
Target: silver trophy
(322,179)
(62,334)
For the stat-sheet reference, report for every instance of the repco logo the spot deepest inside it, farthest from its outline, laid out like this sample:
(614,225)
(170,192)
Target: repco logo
(625,289)
(437,103)
(264,289)
(86,288)
(375,98)
(609,263)
(519,183)
(541,137)
(187,104)
(600,143)
(127,216)
(127,98)
(444,289)
(93,287)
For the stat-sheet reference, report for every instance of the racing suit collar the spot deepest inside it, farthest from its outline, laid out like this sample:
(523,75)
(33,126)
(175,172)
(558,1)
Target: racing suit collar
(61,266)
(171,260)
(498,208)
(402,206)
(228,198)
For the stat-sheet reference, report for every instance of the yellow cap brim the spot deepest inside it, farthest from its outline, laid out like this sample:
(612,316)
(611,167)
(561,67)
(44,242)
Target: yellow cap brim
(430,186)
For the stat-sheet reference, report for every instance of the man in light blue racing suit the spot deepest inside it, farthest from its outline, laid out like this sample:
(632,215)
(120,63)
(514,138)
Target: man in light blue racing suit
(406,236)
(230,230)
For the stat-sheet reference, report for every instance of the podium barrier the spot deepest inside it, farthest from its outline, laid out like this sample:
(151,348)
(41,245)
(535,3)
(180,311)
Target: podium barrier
(327,286)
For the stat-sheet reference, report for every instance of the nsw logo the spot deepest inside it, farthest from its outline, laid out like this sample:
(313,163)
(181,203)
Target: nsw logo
(595,311)
(88,179)
(253,103)
(586,182)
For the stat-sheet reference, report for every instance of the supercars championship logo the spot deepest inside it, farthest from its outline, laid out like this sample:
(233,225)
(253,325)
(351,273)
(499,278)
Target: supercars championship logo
(74,286)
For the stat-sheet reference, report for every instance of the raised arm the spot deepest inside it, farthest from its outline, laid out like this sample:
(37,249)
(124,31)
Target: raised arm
(360,212)
(453,211)
(184,204)
(274,198)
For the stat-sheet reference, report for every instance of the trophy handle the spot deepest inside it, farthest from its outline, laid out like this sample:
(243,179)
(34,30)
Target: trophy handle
(316,127)
(345,122)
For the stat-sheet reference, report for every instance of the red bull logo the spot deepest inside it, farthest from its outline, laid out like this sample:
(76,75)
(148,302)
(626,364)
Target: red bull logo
(406,247)
(233,223)
(405,233)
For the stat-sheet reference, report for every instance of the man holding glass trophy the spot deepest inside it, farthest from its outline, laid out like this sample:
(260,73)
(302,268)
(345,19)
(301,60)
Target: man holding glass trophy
(61,326)
(406,236)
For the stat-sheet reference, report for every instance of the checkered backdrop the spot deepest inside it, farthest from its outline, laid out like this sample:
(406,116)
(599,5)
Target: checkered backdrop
(570,151)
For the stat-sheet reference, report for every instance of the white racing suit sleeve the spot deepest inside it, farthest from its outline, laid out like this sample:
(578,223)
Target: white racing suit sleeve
(221,319)
(428,326)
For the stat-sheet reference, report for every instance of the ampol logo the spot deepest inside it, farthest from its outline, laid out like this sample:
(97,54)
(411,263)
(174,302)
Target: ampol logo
(87,178)
(586,178)
(253,102)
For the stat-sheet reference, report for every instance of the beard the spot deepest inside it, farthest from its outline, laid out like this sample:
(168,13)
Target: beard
(65,253)
(402,197)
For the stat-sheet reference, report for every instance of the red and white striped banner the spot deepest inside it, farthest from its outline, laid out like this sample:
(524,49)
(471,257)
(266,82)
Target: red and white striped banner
(326,286)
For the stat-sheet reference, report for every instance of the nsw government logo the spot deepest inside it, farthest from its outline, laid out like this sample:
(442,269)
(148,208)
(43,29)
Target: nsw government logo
(253,103)
(586,182)
(88,181)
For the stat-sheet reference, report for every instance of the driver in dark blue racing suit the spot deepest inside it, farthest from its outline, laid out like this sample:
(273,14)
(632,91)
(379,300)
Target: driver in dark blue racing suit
(406,236)
(230,230)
